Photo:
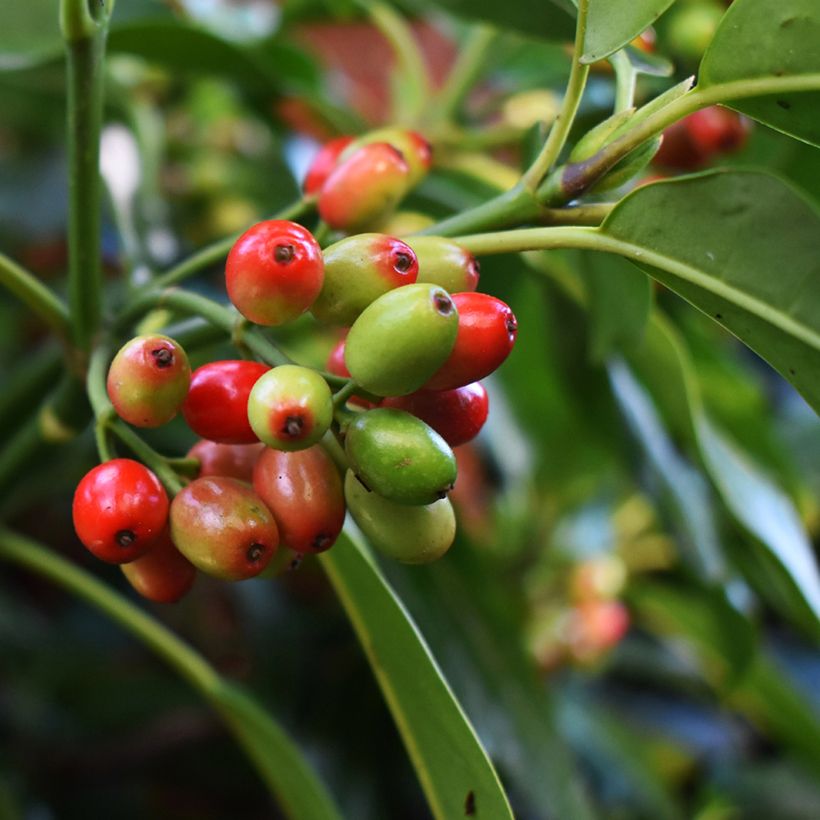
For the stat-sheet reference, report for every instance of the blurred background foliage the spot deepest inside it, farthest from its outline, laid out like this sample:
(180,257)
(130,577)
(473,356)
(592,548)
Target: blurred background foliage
(630,614)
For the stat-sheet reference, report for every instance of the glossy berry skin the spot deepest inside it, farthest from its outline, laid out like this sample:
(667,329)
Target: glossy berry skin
(148,380)
(412,535)
(445,263)
(456,415)
(303,491)
(216,407)
(336,365)
(402,339)
(695,140)
(364,188)
(290,407)
(223,528)
(399,457)
(163,574)
(119,510)
(229,460)
(323,164)
(415,149)
(274,272)
(358,270)
(486,334)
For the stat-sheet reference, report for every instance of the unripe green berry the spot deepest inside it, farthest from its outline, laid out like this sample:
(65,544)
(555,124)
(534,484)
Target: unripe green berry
(413,535)
(402,339)
(290,407)
(148,380)
(358,270)
(445,263)
(400,457)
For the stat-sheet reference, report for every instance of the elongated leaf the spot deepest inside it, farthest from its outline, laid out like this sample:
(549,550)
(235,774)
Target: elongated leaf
(744,248)
(611,24)
(28,31)
(452,766)
(765,40)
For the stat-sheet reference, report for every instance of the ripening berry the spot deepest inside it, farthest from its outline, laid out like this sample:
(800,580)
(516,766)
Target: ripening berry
(274,272)
(229,460)
(399,457)
(445,263)
(290,407)
(119,509)
(414,148)
(486,334)
(402,339)
(163,574)
(148,380)
(456,415)
(323,164)
(223,528)
(692,142)
(412,535)
(364,188)
(358,270)
(303,491)
(216,407)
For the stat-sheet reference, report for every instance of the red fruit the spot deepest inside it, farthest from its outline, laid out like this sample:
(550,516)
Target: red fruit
(336,360)
(323,164)
(229,460)
(304,492)
(217,405)
(595,627)
(119,509)
(717,130)
(148,380)
(223,528)
(456,415)
(274,272)
(486,334)
(163,574)
(364,188)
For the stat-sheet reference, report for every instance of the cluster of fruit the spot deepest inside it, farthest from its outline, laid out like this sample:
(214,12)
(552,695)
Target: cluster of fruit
(418,338)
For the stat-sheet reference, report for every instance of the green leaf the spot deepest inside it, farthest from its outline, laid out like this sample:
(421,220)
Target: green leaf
(450,762)
(618,302)
(550,19)
(611,24)
(28,31)
(744,248)
(762,40)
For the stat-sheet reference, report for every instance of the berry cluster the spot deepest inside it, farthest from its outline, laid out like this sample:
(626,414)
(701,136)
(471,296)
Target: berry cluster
(417,339)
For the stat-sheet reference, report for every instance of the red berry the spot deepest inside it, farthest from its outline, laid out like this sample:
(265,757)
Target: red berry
(229,460)
(486,334)
(119,509)
(336,360)
(223,528)
(304,492)
(364,188)
(717,130)
(148,380)
(323,164)
(456,415)
(163,574)
(274,272)
(217,403)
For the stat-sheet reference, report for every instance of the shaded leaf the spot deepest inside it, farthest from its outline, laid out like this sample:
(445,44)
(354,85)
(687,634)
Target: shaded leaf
(742,247)
(765,40)
(611,24)
(448,758)
(29,32)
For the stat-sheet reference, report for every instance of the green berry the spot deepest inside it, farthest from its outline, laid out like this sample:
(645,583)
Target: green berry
(358,270)
(413,535)
(402,339)
(290,407)
(443,262)
(400,457)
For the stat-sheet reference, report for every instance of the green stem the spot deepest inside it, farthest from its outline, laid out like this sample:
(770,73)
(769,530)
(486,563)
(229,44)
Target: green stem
(569,107)
(625,77)
(468,66)
(148,455)
(35,295)
(217,251)
(342,395)
(85,52)
(532,239)
(592,214)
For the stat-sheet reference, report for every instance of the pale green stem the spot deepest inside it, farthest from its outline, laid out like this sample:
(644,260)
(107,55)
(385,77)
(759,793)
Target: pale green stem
(35,295)
(569,107)
(625,77)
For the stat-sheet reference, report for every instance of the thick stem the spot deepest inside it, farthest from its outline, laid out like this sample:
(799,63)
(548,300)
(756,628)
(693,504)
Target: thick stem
(532,239)
(85,44)
(569,107)
(35,295)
